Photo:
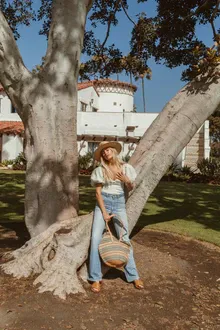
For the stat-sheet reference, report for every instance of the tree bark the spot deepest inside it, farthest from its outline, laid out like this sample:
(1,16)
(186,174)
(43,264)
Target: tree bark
(51,188)
(47,104)
(143,93)
(168,135)
(57,255)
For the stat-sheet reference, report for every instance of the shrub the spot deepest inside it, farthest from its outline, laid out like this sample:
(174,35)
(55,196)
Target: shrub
(85,161)
(170,175)
(7,162)
(187,170)
(209,167)
(20,162)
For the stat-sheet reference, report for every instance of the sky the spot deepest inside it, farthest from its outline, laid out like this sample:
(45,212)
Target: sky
(165,82)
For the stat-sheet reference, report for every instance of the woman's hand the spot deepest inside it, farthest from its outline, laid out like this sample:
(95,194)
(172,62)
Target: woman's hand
(122,177)
(107,217)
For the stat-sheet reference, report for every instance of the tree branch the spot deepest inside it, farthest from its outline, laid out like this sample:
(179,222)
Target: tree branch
(215,12)
(213,29)
(126,13)
(65,40)
(111,17)
(13,72)
(197,11)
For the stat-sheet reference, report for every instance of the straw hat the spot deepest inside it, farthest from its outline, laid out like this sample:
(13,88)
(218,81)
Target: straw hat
(104,145)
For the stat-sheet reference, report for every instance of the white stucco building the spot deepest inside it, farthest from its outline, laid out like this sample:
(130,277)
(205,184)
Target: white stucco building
(105,112)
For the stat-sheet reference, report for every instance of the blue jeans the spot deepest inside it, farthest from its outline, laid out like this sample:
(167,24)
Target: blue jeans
(114,204)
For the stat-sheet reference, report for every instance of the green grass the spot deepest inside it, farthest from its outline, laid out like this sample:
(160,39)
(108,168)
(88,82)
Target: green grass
(186,209)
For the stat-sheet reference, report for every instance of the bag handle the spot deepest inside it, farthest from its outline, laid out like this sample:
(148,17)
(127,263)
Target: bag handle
(122,227)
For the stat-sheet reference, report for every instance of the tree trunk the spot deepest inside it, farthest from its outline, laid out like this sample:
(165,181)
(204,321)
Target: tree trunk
(51,189)
(168,135)
(131,81)
(59,253)
(143,94)
(47,105)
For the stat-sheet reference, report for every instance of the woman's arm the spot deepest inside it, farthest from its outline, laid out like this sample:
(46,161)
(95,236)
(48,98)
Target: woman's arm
(129,185)
(100,201)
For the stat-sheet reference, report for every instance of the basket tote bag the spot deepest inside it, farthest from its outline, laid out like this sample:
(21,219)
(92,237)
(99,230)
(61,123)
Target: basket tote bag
(114,252)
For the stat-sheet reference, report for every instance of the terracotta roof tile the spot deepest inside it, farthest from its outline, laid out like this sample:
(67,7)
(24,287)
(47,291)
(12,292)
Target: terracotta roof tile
(114,82)
(11,127)
(84,85)
(104,82)
(96,83)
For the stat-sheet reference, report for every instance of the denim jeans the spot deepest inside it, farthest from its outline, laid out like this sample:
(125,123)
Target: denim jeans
(114,204)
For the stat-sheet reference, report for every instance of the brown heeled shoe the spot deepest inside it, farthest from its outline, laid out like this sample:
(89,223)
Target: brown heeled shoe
(138,284)
(96,287)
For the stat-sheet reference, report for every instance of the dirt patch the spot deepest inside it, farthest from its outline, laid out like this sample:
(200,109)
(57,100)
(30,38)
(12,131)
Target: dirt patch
(182,291)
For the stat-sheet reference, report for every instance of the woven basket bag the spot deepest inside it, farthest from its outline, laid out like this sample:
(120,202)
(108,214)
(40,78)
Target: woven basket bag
(114,252)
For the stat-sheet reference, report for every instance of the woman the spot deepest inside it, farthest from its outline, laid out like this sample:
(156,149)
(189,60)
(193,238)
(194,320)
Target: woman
(110,179)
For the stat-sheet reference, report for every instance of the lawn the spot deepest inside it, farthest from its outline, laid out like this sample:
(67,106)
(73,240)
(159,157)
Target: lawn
(187,209)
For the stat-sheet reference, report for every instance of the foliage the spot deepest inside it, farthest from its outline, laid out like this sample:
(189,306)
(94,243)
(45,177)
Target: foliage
(209,167)
(209,172)
(214,124)
(17,12)
(170,174)
(7,162)
(85,163)
(20,162)
(186,170)
(170,36)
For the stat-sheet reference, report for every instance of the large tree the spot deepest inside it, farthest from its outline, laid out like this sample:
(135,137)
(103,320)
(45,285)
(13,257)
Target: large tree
(46,101)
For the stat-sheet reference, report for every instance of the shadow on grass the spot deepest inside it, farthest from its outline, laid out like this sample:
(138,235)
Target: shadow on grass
(12,207)
(190,202)
(11,196)
(170,201)
(13,234)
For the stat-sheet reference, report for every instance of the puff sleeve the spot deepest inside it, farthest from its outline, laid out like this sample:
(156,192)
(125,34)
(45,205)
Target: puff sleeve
(130,172)
(97,176)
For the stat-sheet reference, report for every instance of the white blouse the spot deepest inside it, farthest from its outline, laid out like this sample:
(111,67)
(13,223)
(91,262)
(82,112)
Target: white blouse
(115,187)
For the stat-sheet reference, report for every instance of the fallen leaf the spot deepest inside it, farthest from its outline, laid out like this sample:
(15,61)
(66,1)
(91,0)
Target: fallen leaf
(9,311)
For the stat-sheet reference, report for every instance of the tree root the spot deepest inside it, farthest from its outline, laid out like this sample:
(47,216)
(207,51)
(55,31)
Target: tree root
(56,254)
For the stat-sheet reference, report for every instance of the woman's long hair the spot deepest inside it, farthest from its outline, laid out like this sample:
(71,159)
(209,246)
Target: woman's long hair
(108,175)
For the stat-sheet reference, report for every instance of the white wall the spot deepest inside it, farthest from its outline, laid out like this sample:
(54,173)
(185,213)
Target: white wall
(12,145)
(5,110)
(124,102)
(86,96)
(109,120)
(206,140)
(104,102)
(108,123)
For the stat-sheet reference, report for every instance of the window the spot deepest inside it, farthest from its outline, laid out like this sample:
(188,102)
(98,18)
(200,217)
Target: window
(13,110)
(83,106)
(92,146)
(94,109)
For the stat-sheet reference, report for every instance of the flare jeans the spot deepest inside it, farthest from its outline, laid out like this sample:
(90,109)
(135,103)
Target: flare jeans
(114,204)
